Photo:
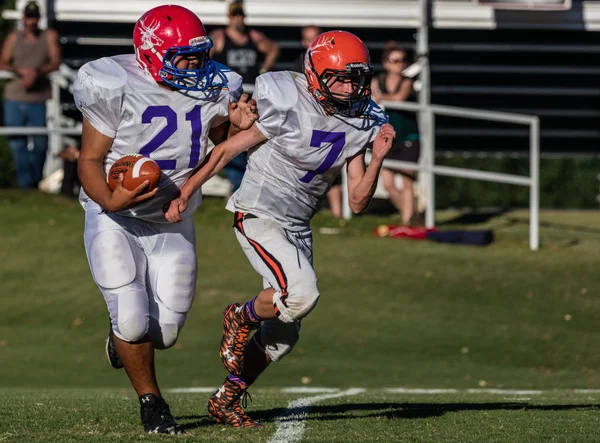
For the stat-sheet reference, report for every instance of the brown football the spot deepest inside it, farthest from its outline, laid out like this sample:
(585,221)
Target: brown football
(135,169)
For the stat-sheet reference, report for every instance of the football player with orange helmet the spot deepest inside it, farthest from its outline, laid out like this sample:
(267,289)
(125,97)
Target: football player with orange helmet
(163,102)
(310,126)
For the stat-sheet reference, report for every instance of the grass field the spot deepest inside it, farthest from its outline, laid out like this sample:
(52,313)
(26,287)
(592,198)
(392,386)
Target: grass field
(393,313)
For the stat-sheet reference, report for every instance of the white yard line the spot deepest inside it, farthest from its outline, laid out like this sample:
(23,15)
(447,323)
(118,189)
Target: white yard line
(290,425)
(308,390)
(198,390)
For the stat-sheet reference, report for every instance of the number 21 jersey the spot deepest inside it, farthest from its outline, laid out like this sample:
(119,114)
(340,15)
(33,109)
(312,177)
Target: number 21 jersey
(169,126)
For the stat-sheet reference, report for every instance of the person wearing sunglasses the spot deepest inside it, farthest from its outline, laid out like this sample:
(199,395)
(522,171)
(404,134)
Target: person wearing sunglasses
(391,85)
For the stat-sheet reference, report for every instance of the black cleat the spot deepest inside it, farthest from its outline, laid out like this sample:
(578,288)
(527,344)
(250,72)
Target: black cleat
(156,416)
(111,351)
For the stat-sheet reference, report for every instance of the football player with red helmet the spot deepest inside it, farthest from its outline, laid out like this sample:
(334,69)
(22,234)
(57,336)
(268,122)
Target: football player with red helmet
(310,126)
(163,102)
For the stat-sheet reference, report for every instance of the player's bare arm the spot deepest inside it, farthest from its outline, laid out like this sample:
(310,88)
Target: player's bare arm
(362,181)
(216,160)
(94,146)
(266,46)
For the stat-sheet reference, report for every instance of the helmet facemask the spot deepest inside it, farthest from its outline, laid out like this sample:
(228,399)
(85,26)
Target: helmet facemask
(189,79)
(352,104)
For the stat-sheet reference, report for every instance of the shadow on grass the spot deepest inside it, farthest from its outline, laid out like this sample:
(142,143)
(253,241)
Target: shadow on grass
(390,411)
(475,217)
(560,226)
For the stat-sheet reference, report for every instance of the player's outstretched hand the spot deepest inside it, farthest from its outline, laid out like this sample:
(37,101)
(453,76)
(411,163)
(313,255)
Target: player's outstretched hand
(176,207)
(244,113)
(123,198)
(384,141)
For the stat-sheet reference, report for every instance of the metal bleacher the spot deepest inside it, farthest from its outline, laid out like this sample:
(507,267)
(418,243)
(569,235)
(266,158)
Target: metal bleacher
(539,63)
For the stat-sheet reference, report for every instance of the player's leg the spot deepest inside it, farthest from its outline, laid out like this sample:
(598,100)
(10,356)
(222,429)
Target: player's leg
(172,270)
(284,261)
(118,265)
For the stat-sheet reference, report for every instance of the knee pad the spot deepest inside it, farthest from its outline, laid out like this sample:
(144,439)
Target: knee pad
(165,334)
(297,303)
(277,339)
(111,260)
(132,328)
(176,283)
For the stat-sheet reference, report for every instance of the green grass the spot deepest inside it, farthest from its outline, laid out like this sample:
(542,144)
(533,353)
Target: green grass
(392,313)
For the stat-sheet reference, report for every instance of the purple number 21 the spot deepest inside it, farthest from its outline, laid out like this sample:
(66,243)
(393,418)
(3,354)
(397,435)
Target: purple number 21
(337,140)
(170,128)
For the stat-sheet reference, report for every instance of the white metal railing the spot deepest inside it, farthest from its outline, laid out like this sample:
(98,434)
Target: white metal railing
(63,78)
(428,164)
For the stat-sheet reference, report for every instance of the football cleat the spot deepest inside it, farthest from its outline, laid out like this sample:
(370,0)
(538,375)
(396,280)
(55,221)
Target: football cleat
(156,416)
(237,327)
(224,406)
(111,351)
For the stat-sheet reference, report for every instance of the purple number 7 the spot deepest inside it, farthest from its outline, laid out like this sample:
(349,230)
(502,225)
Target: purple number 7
(170,128)
(337,140)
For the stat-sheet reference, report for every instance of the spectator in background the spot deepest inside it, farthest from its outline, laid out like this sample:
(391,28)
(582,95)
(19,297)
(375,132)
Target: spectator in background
(309,33)
(249,53)
(334,196)
(391,85)
(31,54)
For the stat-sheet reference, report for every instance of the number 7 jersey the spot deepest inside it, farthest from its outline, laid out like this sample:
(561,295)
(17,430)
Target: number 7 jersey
(289,174)
(169,126)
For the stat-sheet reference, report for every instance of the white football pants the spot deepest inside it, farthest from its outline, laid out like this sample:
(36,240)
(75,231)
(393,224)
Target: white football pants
(146,272)
(284,259)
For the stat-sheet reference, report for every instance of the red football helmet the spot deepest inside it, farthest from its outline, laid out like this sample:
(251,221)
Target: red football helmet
(339,56)
(167,32)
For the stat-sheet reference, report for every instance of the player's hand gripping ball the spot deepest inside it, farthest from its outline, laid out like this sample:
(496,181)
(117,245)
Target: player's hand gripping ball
(136,169)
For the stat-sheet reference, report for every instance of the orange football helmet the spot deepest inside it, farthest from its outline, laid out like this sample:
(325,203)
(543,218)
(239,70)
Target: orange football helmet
(339,56)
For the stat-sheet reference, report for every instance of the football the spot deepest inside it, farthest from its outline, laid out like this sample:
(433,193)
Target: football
(135,169)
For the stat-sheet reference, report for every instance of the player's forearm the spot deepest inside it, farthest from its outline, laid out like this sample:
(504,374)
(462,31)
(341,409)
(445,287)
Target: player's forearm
(216,160)
(93,180)
(361,194)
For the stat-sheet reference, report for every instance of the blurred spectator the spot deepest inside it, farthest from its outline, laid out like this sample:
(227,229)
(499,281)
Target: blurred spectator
(249,53)
(309,33)
(31,54)
(391,85)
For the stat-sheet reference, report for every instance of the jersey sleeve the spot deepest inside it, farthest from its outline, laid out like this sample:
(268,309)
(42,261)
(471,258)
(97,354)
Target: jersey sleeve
(98,94)
(275,94)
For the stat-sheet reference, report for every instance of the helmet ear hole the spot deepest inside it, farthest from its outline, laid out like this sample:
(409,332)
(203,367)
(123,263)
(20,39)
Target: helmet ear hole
(148,58)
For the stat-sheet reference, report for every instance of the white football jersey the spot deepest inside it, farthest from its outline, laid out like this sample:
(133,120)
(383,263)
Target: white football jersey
(170,127)
(288,175)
